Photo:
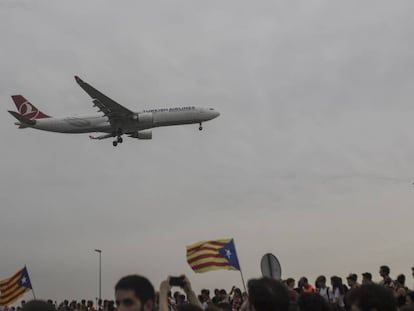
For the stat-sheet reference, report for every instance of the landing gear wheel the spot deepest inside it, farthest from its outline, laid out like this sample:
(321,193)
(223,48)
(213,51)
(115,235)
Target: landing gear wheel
(120,140)
(201,127)
(115,143)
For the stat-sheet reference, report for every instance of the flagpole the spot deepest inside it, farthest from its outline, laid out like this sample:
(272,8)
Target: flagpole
(33,292)
(241,273)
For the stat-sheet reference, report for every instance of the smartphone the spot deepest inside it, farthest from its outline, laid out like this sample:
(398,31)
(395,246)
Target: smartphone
(177,281)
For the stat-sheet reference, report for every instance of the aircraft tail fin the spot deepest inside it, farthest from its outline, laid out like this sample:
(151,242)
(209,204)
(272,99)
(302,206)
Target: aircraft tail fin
(24,122)
(26,109)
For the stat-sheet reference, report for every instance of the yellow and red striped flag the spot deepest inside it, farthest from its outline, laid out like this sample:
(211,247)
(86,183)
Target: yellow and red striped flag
(205,256)
(13,288)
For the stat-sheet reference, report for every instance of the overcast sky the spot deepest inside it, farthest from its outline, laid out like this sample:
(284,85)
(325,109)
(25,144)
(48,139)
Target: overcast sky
(312,158)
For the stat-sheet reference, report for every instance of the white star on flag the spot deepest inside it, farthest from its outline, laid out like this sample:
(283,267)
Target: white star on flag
(23,280)
(228,253)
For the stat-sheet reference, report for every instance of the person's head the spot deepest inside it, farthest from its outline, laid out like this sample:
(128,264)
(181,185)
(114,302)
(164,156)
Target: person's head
(372,297)
(312,302)
(205,293)
(336,282)
(266,294)
(216,292)
(352,279)
(134,293)
(180,299)
(401,279)
(290,282)
(237,292)
(384,271)
(320,281)
(366,278)
(223,293)
(303,282)
(38,305)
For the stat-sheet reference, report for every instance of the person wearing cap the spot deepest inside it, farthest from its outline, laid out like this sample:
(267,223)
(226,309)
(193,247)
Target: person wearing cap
(367,278)
(352,281)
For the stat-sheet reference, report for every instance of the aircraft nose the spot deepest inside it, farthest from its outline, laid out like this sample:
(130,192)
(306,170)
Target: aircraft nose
(216,114)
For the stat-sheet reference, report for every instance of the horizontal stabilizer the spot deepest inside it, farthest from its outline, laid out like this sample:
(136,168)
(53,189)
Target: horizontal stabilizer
(23,120)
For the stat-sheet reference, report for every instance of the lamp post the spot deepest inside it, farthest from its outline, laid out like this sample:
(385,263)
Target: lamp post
(99,252)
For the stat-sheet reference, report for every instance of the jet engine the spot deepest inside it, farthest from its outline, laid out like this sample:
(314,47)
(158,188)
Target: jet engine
(145,117)
(142,134)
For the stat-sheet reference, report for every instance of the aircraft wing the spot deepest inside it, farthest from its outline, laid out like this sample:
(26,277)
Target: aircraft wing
(114,111)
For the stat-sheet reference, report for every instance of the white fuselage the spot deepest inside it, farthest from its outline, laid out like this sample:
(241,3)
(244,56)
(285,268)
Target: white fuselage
(140,121)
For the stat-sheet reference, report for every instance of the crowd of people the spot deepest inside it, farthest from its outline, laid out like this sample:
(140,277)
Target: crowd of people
(136,293)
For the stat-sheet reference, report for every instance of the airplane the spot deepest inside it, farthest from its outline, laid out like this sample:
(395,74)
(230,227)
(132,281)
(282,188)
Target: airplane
(116,120)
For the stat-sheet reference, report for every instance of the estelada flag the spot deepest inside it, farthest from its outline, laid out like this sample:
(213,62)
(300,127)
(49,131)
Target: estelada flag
(205,256)
(14,287)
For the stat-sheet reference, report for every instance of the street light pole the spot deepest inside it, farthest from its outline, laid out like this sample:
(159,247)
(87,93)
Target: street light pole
(99,252)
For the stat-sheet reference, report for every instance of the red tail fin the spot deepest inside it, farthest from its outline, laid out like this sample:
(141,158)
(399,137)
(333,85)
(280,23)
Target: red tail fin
(26,109)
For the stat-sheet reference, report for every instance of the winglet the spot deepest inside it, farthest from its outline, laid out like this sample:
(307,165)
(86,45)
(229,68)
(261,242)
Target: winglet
(79,80)
(22,119)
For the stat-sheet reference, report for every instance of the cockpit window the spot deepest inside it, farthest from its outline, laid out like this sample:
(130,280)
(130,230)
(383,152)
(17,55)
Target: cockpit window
(211,109)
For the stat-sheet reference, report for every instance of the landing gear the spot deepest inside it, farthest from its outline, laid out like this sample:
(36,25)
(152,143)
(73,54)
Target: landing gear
(201,127)
(118,139)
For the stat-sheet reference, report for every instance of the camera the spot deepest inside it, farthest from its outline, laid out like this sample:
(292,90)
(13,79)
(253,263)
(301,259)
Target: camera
(177,281)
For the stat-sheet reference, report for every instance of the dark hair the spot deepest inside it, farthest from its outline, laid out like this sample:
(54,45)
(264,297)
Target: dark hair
(401,279)
(238,291)
(141,286)
(38,305)
(352,277)
(319,279)
(312,302)
(267,294)
(290,281)
(367,275)
(373,296)
(385,269)
(336,282)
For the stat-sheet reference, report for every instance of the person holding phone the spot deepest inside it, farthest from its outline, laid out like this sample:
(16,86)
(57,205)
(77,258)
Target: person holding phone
(182,282)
